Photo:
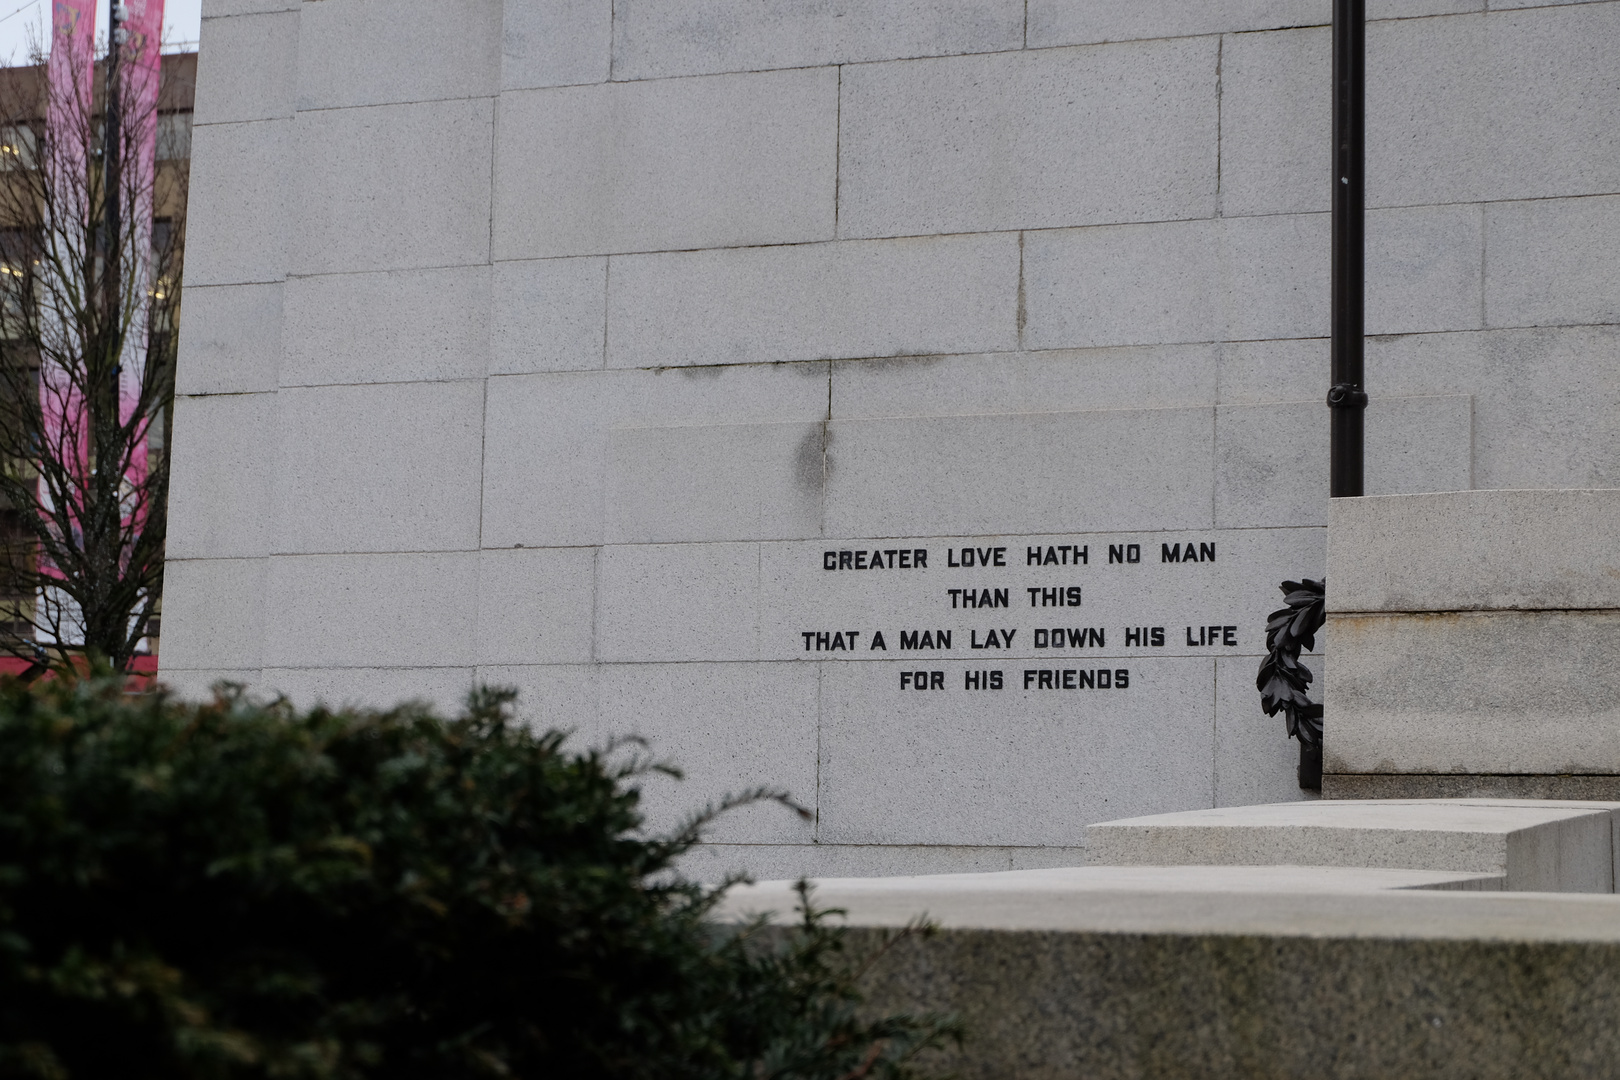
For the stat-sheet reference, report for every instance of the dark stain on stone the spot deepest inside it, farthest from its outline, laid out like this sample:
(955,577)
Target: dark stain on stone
(810,462)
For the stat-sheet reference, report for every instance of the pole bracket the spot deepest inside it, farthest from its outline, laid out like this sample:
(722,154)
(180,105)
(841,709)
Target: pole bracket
(1346,396)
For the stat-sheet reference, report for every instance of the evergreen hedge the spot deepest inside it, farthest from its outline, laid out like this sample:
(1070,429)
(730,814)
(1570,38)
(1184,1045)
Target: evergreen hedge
(245,889)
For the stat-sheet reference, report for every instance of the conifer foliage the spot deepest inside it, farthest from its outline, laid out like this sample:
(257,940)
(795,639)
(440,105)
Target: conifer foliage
(240,889)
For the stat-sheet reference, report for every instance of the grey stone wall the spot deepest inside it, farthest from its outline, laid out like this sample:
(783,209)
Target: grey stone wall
(552,342)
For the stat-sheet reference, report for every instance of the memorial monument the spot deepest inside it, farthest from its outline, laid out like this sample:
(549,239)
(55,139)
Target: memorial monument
(912,406)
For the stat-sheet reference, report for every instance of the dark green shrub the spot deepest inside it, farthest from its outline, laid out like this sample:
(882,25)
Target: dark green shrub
(247,890)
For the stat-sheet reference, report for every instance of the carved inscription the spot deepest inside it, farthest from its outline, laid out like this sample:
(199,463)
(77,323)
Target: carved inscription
(1026,610)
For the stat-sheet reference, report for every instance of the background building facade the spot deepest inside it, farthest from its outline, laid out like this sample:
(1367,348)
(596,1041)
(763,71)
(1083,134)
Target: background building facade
(575,344)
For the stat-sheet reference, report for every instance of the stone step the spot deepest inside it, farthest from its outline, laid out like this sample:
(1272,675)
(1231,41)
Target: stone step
(900,898)
(1538,846)
(1118,985)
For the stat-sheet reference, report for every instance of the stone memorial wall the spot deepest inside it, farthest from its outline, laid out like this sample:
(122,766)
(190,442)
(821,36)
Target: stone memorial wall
(912,404)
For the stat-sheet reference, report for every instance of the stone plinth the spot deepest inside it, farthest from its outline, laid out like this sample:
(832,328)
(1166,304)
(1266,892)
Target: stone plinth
(1475,644)
(1279,981)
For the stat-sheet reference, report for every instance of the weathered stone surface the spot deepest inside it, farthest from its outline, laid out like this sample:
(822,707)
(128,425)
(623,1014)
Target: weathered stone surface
(241,175)
(1454,985)
(250,63)
(391,467)
(878,900)
(231,634)
(1552,261)
(1475,551)
(556,43)
(661,38)
(1207,279)
(1474,692)
(393,611)
(548,315)
(717,161)
(1586,788)
(983,143)
(1545,132)
(395,326)
(1543,399)
(219,446)
(350,52)
(814,301)
(436,155)
(789,862)
(1544,847)
(230,339)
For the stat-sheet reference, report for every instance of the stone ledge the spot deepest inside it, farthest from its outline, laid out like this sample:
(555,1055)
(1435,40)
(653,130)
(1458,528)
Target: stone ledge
(1102,984)
(1541,846)
(1581,787)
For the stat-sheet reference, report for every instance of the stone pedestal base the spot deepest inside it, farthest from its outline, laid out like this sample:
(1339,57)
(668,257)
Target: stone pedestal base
(1586,788)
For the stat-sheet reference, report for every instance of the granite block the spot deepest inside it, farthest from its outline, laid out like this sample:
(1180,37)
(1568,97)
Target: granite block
(661,38)
(556,43)
(442,689)
(213,614)
(563,420)
(399,611)
(1275,121)
(552,697)
(1291,369)
(1505,105)
(434,210)
(1456,986)
(781,864)
(536,605)
(1028,140)
(814,301)
(1425,269)
(189,685)
(1538,397)
(1475,550)
(1566,787)
(238,203)
(1474,692)
(1255,760)
(678,602)
(221,8)
(875,899)
(1035,472)
(1060,380)
(397,326)
(730,728)
(1064,22)
(394,326)
(247,67)
(1272,460)
(548,315)
(391,467)
(1547,847)
(219,499)
(379,52)
(728,482)
(1031,767)
(1184,281)
(721,160)
(230,339)
(1552,261)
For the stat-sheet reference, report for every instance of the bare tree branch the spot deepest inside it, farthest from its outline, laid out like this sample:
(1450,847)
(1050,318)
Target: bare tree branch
(87,321)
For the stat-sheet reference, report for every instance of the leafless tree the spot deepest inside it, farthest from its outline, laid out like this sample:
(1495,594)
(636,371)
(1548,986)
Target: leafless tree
(90,268)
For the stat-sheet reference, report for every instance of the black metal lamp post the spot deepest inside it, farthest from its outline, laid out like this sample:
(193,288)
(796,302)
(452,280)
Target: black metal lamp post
(1347,398)
(1283,681)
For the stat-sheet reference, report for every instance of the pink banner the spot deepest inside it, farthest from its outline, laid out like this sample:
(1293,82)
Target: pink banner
(141,66)
(69,74)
